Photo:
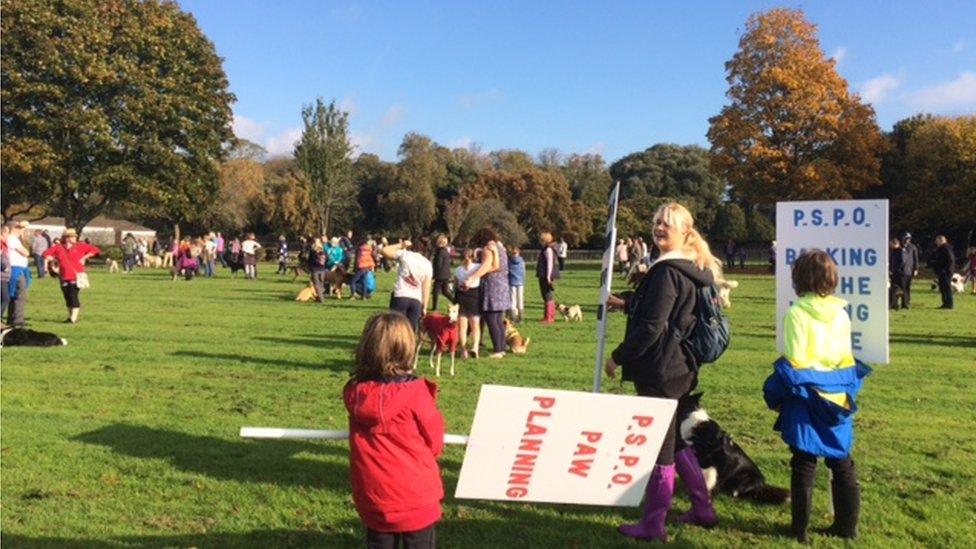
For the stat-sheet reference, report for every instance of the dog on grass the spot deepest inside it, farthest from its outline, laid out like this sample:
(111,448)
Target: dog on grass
(337,280)
(307,294)
(574,312)
(725,465)
(23,337)
(514,339)
(298,270)
(152,261)
(441,331)
(956,282)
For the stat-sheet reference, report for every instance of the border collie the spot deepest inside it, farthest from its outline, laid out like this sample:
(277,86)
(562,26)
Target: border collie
(24,337)
(724,463)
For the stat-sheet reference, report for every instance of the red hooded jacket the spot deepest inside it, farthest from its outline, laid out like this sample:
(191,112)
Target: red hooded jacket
(396,434)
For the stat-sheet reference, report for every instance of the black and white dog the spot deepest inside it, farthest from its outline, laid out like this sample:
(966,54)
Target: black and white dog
(12,337)
(725,465)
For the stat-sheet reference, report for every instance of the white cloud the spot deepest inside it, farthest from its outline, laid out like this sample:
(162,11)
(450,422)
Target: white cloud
(393,115)
(958,46)
(348,105)
(246,128)
(283,143)
(596,148)
(959,93)
(877,89)
(839,54)
(471,100)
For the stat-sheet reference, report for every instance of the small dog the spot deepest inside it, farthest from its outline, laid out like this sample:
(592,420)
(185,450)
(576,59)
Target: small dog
(307,294)
(574,313)
(514,339)
(23,337)
(152,261)
(725,288)
(956,282)
(112,265)
(441,331)
(724,463)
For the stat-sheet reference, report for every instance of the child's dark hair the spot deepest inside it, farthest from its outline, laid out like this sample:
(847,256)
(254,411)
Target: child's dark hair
(814,272)
(386,349)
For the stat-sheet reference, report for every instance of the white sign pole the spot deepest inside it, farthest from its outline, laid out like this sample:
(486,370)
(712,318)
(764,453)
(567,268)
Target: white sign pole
(855,234)
(606,279)
(317,434)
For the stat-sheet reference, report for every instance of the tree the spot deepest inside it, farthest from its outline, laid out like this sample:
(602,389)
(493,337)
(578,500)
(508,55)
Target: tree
(730,223)
(667,172)
(110,102)
(759,227)
(373,178)
(792,130)
(286,202)
(324,154)
(239,200)
(410,204)
(491,213)
(940,170)
(590,183)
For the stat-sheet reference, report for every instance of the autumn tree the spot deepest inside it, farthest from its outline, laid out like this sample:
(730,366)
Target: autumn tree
(288,208)
(730,223)
(666,172)
(410,204)
(110,102)
(373,178)
(491,213)
(324,154)
(239,202)
(792,129)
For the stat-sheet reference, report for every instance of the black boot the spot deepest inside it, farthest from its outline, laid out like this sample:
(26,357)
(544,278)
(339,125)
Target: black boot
(802,470)
(847,508)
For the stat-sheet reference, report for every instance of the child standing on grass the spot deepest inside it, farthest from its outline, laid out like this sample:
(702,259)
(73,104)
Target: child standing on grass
(516,281)
(396,434)
(813,387)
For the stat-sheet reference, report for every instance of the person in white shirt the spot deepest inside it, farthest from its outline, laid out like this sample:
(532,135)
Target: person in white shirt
(20,276)
(469,304)
(412,287)
(249,248)
(562,251)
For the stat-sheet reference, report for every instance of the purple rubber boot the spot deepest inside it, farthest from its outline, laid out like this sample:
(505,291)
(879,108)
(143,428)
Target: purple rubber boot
(702,513)
(657,501)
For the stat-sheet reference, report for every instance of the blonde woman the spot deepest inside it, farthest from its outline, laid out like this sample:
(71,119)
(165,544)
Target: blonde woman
(653,358)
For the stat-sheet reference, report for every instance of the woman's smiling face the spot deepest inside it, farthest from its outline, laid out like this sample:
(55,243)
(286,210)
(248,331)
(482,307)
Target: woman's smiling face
(667,237)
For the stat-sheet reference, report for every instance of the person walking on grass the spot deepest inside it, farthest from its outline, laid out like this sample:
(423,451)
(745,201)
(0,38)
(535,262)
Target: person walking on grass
(71,256)
(282,255)
(219,247)
(469,303)
(365,264)
(516,281)
(895,291)
(411,290)
(562,252)
(396,434)
(547,271)
(909,268)
(20,275)
(208,255)
(655,360)
(442,272)
(5,272)
(813,387)
(944,264)
(496,298)
(249,249)
(39,245)
(317,260)
(129,250)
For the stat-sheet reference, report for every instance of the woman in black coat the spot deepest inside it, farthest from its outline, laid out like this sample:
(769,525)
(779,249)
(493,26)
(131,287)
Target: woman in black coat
(653,358)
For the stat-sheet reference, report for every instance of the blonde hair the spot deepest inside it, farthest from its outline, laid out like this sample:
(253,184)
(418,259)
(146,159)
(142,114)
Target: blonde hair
(695,247)
(386,349)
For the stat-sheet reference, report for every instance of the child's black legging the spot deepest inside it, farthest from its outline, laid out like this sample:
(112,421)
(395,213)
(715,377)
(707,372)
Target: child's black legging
(804,467)
(496,327)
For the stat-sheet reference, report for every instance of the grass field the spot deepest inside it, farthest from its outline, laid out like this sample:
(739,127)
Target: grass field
(128,436)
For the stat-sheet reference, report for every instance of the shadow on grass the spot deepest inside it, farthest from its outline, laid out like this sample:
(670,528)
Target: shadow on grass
(261,461)
(341,365)
(968,342)
(345,343)
(259,538)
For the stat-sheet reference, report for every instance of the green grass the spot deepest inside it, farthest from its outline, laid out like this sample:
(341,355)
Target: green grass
(128,436)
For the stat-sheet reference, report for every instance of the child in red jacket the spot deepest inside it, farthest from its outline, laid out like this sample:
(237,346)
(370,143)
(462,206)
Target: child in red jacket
(396,434)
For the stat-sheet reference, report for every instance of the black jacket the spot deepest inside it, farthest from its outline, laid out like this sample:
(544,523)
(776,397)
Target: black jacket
(442,264)
(651,354)
(945,261)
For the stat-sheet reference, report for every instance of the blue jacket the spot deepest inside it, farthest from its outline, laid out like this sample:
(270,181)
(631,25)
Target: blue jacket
(336,255)
(516,271)
(807,420)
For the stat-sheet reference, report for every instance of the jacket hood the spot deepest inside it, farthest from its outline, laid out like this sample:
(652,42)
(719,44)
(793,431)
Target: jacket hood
(373,403)
(823,309)
(701,277)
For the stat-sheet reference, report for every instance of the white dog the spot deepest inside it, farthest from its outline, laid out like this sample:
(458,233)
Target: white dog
(112,265)
(725,288)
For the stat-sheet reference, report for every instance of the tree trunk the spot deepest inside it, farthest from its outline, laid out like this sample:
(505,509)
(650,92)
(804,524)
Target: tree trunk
(176,231)
(328,217)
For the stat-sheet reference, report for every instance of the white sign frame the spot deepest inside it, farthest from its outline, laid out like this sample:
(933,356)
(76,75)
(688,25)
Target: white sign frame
(552,446)
(606,280)
(855,233)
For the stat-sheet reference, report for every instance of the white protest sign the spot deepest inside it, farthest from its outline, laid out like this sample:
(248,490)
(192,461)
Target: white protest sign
(555,446)
(855,234)
(606,278)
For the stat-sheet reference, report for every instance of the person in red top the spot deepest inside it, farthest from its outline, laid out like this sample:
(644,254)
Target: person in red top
(396,434)
(364,264)
(71,256)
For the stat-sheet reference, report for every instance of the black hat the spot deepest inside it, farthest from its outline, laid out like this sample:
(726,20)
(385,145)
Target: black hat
(906,235)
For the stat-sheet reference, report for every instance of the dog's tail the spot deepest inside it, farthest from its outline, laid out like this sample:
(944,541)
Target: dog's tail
(770,495)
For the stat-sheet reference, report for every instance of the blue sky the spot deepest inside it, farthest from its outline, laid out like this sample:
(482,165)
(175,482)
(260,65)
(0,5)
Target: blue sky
(606,77)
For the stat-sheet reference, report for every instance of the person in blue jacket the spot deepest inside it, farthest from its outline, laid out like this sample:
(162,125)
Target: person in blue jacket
(813,387)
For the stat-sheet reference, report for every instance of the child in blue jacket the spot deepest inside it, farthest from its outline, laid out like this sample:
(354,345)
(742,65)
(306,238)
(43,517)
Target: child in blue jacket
(813,387)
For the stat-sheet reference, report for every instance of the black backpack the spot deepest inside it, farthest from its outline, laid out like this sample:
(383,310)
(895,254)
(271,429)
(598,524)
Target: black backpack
(710,336)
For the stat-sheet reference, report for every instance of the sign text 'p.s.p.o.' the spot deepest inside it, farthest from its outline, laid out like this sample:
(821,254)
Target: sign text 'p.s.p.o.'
(545,445)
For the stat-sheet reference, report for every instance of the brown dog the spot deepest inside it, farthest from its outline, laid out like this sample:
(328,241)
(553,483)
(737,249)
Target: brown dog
(338,279)
(307,294)
(514,339)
